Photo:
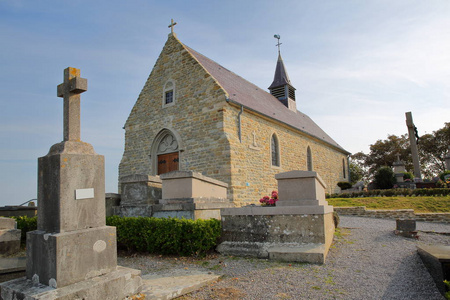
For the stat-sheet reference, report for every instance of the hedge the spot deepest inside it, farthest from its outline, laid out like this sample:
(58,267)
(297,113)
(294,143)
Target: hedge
(166,236)
(25,224)
(161,236)
(393,192)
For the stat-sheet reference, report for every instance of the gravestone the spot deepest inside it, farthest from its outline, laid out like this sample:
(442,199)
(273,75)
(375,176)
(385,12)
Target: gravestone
(111,200)
(139,194)
(72,254)
(191,195)
(299,228)
(406,228)
(9,236)
(399,169)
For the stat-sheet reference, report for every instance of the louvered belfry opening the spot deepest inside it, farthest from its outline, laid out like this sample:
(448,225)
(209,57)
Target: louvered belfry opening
(291,92)
(279,92)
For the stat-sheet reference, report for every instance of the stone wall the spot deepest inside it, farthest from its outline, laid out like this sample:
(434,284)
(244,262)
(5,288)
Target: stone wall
(253,175)
(393,214)
(17,211)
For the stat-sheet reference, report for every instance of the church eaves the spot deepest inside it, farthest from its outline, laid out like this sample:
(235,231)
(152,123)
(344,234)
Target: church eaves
(246,94)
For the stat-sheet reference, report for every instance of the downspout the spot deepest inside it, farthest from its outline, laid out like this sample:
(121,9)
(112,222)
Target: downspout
(239,123)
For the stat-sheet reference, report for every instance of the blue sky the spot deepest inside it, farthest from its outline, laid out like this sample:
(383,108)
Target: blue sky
(358,66)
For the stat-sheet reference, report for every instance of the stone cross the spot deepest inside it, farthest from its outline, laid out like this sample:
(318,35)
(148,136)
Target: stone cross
(254,139)
(412,140)
(70,90)
(172,25)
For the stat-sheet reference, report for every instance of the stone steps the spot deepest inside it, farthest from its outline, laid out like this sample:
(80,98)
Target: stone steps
(310,253)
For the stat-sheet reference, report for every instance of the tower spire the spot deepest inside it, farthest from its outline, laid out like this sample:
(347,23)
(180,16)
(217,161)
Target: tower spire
(281,87)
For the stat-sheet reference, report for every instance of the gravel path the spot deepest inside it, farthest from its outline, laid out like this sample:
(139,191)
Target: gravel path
(367,261)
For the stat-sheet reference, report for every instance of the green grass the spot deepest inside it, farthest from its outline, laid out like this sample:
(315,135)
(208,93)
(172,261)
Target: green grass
(419,204)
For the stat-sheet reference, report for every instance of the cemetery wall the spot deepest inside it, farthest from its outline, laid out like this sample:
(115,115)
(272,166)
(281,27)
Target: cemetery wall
(18,211)
(393,214)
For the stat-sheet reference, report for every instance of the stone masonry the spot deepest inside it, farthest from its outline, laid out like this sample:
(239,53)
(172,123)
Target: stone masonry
(300,228)
(207,130)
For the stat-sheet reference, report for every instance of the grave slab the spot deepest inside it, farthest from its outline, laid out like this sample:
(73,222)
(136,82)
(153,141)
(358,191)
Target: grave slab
(171,286)
(436,259)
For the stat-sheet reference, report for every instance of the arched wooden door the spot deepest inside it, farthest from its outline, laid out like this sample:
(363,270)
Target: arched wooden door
(168,155)
(167,162)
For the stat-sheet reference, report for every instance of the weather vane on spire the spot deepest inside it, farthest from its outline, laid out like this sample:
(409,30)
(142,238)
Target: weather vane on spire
(172,25)
(277,36)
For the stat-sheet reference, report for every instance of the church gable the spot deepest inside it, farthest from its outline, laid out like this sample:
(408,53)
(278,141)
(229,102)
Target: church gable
(182,98)
(177,68)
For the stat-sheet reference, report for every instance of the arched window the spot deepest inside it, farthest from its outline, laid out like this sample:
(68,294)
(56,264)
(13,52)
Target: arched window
(275,151)
(309,159)
(169,94)
(343,169)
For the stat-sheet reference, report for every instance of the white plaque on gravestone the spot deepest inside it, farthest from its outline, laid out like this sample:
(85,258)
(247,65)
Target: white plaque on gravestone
(84,194)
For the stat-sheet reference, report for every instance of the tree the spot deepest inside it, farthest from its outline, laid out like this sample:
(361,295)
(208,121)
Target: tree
(385,178)
(383,153)
(356,172)
(432,150)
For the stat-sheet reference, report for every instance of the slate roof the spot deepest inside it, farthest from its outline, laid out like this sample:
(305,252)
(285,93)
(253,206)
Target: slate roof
(281,76)
(243,92)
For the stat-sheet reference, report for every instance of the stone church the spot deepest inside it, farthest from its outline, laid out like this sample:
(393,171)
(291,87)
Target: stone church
(194,114)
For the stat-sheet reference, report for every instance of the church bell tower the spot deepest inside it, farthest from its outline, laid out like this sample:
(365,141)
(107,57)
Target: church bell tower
(281,87)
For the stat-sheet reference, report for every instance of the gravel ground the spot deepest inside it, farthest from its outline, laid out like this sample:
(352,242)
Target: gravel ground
(366,261)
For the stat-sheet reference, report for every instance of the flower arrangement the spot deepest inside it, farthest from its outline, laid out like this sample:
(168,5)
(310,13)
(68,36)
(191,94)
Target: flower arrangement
(269,201)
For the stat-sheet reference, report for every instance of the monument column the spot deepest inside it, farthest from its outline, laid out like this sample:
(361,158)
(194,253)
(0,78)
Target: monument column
(412,132)
(72,254)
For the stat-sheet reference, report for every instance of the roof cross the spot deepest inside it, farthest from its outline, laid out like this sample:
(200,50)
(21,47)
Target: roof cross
(172,25)
(70,90)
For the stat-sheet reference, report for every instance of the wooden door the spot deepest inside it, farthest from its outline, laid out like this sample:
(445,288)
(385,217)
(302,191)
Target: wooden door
(167,162)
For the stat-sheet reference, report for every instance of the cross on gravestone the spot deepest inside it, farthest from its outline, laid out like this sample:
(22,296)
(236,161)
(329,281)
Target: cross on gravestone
(172,25)
(70,90)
